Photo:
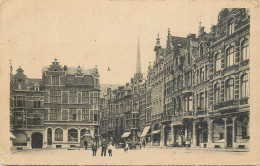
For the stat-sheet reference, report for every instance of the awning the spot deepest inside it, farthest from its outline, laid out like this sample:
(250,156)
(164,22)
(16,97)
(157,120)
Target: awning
(156,131)
(20,137)
(12,136)
(126,134)
(145,131)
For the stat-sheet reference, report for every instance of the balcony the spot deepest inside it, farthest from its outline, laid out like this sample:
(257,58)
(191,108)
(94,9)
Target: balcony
(201,112)
(166,118)
(227,106)
(187,114)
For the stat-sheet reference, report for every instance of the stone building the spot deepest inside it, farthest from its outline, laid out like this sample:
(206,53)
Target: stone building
(58,111)
(72,105)
(27,111)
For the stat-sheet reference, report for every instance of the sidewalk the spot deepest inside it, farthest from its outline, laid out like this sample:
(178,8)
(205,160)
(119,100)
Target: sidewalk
(205,149)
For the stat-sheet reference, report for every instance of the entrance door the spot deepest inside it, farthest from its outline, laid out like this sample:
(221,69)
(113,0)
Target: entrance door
(49,136)
(198,137)
(37,139)
(229,136)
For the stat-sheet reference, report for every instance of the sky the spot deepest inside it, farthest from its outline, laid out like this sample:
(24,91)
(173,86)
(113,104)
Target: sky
(103,33)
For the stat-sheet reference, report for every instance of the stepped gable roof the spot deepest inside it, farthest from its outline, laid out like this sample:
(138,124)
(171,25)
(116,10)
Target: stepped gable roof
(73,70)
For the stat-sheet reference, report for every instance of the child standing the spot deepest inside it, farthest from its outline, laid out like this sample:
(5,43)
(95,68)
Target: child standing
(110,149)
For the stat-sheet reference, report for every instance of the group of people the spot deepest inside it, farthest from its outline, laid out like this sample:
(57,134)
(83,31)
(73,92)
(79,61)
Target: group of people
(104,146)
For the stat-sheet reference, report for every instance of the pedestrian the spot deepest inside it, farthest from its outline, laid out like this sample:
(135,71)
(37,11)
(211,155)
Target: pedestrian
(110,150)
(94,148)
(104,148)
(86,144)
(179,141)
(126,147)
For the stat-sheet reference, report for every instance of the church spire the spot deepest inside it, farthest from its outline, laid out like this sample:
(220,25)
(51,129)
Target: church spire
(138,72)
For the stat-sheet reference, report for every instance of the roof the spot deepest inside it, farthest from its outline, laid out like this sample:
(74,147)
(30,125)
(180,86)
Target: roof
(181,41)
(73,70)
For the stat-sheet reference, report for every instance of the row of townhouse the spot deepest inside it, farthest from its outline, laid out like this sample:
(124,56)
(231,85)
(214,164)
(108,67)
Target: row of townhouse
(197,90)
(56,111)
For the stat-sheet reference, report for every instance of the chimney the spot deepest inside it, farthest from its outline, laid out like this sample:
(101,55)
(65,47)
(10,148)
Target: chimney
(65,68)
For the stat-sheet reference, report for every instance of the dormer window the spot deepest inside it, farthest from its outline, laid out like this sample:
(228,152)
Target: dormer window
(231,26)
(36,88)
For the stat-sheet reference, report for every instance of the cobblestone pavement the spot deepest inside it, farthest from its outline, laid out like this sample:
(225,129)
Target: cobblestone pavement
(139,156)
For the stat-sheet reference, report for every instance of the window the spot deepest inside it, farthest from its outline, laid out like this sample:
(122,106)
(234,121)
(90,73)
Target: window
(201,49)
(95,98)
(65,115)
(56,96)
(91,115)
(36,104)
(217,62)
(96,115)
(189,58)
(202,74)
(179,82)
(73,135)
(73,97)
(55,80)
(230,89)
(244,86)
(65,97)
(19,101)
(79,97)
(91,98)
(85,97)
(245,51)
(55,114)
(59,134)
(217,93)
(230,56)
(85,114)
(73,114)
(188,103)
(198,78)
(231,26)
(80,80)
(202,100)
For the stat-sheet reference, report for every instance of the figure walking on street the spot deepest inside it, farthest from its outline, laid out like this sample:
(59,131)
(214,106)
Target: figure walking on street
(94,148)
(104,148)
(86,144)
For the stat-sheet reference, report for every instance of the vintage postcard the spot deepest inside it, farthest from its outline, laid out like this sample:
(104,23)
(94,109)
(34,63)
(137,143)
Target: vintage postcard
(129,82)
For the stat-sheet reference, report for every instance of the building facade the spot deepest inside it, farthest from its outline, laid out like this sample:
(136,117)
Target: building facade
(60,110)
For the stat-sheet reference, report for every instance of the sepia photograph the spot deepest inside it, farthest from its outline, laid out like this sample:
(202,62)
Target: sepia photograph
(129,82)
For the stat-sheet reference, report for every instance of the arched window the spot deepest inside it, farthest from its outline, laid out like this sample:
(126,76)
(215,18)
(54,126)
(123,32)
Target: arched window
(73,135)
(217,93)
(201,49)
(230,56)
(217,62)
(59,134)
(230,89)
(245,50)
(231,26)
(244,86)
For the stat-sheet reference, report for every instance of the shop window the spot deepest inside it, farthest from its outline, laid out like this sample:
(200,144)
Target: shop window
(218,130)
(73,135)
(245,50)
(244,86)
(59,134)
(242,128)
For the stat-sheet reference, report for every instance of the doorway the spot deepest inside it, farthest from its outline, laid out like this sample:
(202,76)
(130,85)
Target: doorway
(37,140)
(229,136)
(49,136)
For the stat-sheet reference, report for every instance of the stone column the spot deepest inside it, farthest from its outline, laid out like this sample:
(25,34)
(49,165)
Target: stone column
(233,131)
(172,135)
(162,135)
(210,132)
(194,134)
(225,132)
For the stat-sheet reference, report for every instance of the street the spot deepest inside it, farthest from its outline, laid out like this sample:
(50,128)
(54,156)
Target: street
(144,156)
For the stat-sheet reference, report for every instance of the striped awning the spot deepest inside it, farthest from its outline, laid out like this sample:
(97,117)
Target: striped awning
(126,134)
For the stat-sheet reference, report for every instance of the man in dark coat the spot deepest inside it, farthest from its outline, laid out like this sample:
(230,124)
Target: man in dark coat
(94,148)
(104,148)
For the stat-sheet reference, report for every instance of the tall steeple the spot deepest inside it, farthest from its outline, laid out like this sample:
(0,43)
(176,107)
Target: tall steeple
(138,72)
